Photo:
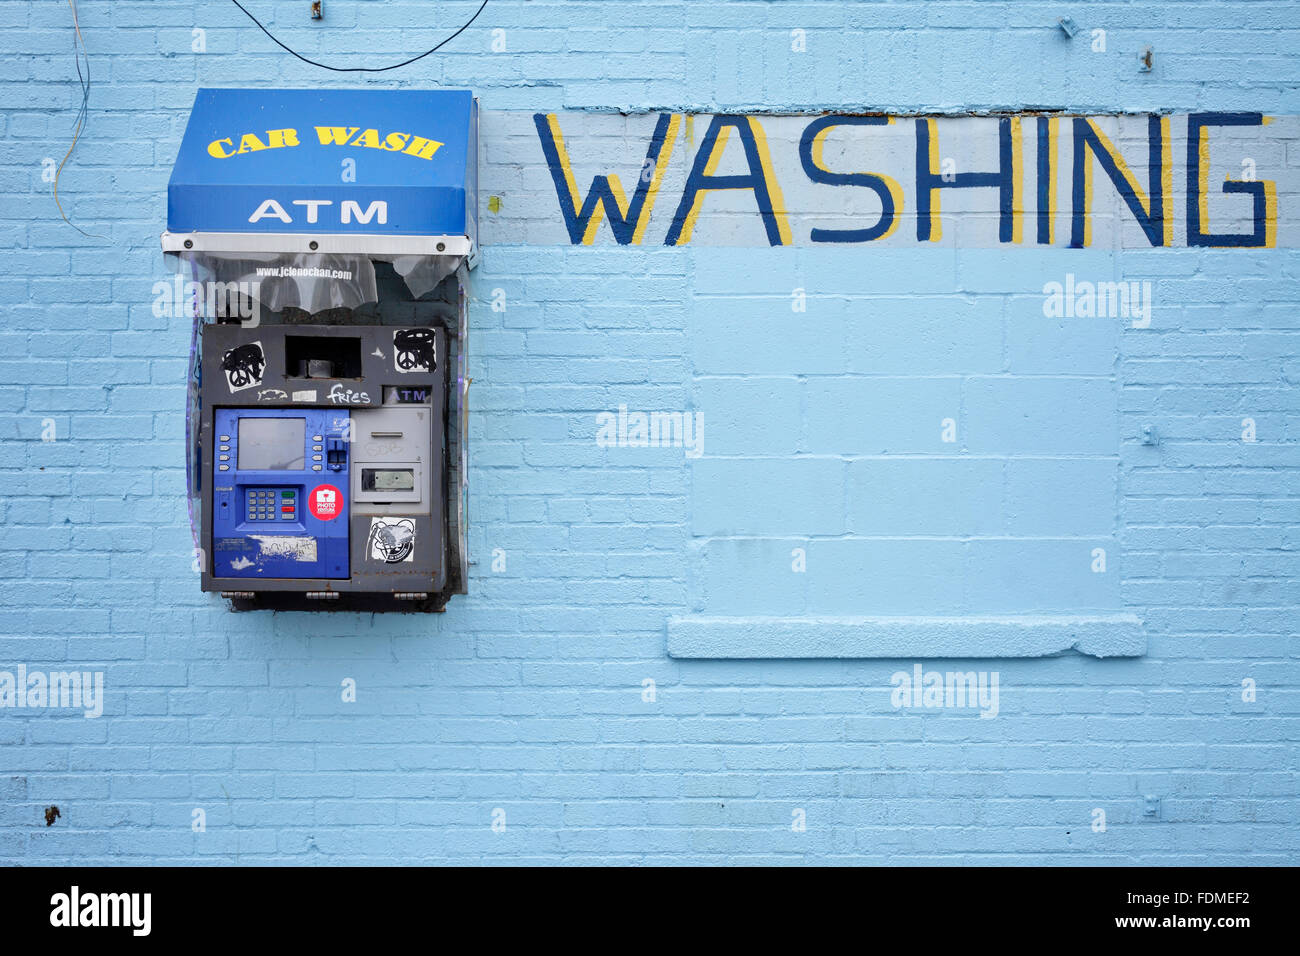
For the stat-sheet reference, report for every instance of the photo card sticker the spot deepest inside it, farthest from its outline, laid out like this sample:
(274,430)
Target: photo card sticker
(325,502)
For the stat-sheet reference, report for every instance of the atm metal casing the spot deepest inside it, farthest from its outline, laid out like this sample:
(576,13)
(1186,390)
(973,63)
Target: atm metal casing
(370,476)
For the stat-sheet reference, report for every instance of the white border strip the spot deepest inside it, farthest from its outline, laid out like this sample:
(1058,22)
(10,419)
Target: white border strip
(321,243)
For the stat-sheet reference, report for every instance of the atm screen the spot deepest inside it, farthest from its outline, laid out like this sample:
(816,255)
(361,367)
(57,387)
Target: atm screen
(272,444)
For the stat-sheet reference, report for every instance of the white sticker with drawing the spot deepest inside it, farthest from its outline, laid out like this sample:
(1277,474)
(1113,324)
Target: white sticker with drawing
(391,540)
(243,366)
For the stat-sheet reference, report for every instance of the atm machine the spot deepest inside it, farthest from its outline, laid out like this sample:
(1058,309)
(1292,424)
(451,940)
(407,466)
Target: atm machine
(327,420)
(313,495)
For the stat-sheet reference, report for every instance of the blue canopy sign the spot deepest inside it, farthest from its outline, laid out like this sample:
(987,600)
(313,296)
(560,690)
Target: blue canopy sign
(397,167)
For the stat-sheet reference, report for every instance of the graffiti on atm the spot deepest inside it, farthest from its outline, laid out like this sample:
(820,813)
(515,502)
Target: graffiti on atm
(293,547)
(243,366)
(391,540)
(256,547)
(338,395)
(272,395)
(414,350)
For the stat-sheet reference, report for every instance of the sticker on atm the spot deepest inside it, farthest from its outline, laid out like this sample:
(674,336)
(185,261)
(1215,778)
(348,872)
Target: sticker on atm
(391,540)
(415,350)
(325,502)
(243,366)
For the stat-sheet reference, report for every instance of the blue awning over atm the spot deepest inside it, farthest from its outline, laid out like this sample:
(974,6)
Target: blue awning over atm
(386,171)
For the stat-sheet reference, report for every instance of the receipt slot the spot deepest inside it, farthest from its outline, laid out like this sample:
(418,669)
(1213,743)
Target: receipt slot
(327,453)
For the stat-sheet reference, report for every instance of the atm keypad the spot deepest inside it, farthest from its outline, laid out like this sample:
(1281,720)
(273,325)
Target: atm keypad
(270,504)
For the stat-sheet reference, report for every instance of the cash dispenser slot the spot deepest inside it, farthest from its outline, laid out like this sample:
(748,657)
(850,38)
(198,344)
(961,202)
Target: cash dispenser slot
(319,357)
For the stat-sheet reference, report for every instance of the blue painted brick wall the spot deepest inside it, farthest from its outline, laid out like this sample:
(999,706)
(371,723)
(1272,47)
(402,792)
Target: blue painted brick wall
(526,700)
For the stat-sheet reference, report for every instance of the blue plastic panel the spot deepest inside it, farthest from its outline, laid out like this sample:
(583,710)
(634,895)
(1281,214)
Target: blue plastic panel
(280,493)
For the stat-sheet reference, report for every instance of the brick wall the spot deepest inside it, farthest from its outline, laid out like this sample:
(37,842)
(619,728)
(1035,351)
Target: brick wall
(550,698)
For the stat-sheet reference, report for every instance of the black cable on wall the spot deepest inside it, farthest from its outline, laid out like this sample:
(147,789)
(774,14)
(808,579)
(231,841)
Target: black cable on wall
(359,69)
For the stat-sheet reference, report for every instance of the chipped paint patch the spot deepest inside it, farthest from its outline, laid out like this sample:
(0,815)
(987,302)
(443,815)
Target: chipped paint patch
(240,563)
(295,547)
